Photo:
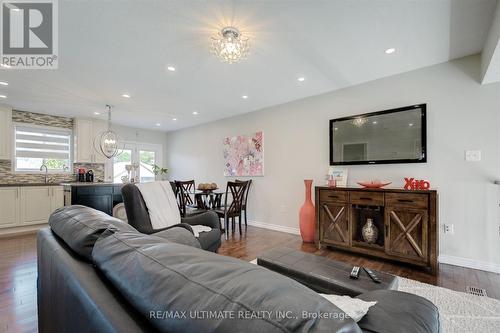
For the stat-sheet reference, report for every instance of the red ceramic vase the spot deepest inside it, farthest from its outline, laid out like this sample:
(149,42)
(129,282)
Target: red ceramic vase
(307,215)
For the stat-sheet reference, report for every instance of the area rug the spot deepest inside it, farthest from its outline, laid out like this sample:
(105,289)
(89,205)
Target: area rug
(459,312)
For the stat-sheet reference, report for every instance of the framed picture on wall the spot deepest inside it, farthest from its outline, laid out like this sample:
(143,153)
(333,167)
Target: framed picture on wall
(339,174)
(244,155)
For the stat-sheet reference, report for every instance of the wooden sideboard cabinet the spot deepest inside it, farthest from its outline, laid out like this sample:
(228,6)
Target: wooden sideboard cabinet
(406,222)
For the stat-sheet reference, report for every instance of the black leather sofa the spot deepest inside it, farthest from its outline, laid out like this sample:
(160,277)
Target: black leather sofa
(98,274)
(138,217)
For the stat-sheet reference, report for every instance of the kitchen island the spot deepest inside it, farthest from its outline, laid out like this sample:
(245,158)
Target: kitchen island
(100,196)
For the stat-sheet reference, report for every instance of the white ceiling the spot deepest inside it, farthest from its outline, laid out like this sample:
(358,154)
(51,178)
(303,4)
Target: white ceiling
(111,47)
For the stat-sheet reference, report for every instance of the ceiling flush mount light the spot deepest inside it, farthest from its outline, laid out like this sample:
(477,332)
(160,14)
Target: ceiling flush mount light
(3,96)
(171,68)
(195,113)
(230,46)
(126,95)
(244,96)
(3,83)
(301,79)
(107,143)
(158,124)
(97,113)
(174,119)
(391,50)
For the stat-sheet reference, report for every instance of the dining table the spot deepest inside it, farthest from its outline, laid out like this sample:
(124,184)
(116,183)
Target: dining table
(208,199)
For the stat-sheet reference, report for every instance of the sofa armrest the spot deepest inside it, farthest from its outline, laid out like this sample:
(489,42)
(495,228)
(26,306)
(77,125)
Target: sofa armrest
(178,225)
(209,219)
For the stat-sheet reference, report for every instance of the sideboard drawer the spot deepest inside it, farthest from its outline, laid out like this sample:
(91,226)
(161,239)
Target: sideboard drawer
(367,198)
(332,196)
(410,200)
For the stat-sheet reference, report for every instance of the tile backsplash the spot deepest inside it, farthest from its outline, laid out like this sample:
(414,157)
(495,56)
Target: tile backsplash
(7,176)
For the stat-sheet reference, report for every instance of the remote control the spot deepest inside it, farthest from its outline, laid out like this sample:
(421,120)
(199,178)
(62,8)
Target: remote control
(372,275)
(354,272)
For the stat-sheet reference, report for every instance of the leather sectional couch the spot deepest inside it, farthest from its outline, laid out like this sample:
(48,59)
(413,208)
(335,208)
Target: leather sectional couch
(98,274)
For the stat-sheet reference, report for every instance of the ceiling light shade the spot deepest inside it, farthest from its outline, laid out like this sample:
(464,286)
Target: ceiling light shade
(230,46)
(391,50)
(107,143)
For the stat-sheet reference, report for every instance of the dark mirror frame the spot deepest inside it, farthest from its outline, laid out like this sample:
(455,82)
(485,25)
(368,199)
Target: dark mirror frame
(422,107)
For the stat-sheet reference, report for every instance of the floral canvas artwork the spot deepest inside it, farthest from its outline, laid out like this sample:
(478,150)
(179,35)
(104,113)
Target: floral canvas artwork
(244,155)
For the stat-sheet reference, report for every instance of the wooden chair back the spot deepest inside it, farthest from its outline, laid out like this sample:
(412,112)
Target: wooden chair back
(248,184)
(237,193)
(184,190)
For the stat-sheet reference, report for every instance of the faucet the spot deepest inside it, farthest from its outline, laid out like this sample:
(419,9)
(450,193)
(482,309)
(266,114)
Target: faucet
(46,171)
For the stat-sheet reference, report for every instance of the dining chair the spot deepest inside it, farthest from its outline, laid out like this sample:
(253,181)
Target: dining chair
(232,205)
(245,199)
(186,203)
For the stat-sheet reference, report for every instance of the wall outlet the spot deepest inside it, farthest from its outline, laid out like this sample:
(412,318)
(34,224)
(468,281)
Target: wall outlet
(448,229)
(473,155)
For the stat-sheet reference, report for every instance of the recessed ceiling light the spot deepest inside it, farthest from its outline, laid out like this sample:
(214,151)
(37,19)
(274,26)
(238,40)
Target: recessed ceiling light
(195,112)
(126,95)
(410,124)
(174,119)
(374,123)
(97,113)
(4,65)
(3,83)
(171,68)
(301,79)
(391,50)
(3,96)
(158,124)
(336,129)
(244,96)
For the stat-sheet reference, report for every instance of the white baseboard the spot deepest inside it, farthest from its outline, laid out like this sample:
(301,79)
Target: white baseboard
(23,230)
(276,227)
(469,263)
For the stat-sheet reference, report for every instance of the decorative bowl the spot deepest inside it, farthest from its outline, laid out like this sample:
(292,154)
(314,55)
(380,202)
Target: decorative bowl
(373,184)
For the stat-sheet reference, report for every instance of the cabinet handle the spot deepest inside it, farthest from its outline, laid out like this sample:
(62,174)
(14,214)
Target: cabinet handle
(405,200)
(365,198)
(333,196)
(386,230)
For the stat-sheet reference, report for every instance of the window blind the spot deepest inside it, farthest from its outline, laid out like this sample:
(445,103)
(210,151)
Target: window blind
(34,142)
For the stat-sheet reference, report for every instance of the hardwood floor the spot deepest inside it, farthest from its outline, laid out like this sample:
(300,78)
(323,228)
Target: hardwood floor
(18,271)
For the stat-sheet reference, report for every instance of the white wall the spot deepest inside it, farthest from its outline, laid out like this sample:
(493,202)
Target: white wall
(462,115)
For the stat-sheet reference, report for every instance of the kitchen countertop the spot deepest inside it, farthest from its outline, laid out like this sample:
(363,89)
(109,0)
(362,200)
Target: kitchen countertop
(91,184)
(58,184)
(28,184)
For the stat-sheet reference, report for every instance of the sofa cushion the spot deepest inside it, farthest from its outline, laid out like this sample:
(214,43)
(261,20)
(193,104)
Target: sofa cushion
(169,284)
(404,312)
(80,227)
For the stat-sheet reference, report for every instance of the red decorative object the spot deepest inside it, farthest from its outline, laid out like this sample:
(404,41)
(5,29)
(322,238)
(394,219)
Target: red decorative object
(307,216)
(374,184)
(416,184)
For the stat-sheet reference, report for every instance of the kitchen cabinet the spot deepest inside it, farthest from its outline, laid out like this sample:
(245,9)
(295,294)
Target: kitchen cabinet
(5,133)
(9,206)
(85,131)
(28,205)
(36,203)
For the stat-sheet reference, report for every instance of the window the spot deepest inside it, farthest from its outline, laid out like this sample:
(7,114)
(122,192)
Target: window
(144,155)
(36,146)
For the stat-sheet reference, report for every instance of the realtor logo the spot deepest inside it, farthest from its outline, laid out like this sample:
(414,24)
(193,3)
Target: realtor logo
(29,34)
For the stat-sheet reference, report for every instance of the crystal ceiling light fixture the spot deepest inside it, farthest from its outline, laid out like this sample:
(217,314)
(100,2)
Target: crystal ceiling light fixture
(107,143)
(230,46)
(360,121)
